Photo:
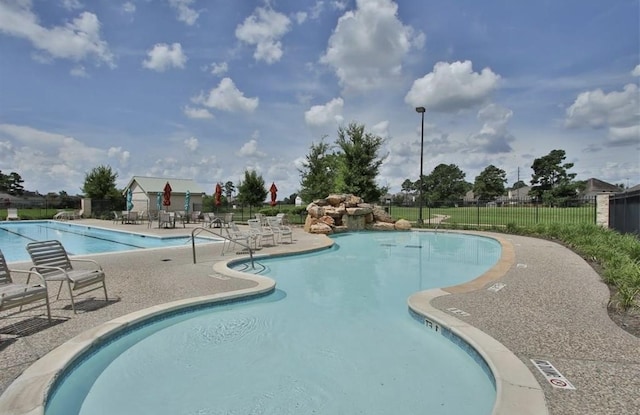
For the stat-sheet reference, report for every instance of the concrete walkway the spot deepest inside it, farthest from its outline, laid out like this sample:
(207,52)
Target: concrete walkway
(552,307)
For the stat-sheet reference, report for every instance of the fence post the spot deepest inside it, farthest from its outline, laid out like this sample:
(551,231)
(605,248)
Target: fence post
(602,210)
(478,213)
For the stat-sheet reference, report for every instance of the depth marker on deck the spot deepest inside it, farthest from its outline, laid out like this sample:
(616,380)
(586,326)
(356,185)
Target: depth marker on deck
(553,375)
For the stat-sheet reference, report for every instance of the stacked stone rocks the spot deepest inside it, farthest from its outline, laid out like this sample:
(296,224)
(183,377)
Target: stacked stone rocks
(346,212)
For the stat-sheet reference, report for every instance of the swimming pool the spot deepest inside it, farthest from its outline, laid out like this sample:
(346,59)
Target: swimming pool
(78,239)
(335,337)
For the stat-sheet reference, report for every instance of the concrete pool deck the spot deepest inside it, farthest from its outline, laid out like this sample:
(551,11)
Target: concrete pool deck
(552,307)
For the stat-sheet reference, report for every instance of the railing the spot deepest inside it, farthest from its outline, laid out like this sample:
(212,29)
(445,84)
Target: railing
(196,231)
(483,214)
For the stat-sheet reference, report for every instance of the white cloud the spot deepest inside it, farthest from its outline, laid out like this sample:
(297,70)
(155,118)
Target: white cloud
(72,4)
(122,155)
(163,57)
(597,109)
(219,68)
(381,129)
(77,40)
(227,97)
(264,28)
(185,13)
(197,113)
(129,7)
(493,137)
(300,17)
(339,5)
(636,71)
(329,113)
(79,71)
(55,159)
(368,45)
(191,143)
(250,149)
(452,87)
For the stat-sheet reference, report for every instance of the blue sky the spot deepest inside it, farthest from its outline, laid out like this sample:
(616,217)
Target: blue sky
(205,89)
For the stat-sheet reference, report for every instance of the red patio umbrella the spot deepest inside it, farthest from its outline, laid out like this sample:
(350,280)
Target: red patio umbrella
(166,195)
(218,194)
(273,190)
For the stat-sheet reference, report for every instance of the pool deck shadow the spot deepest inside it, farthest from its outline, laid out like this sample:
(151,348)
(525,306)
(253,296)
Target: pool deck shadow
(551,306)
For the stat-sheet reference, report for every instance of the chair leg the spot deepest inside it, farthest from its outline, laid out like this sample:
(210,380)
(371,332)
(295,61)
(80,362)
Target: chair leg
(48,309)
(104,286)
(73,304)
(59,290)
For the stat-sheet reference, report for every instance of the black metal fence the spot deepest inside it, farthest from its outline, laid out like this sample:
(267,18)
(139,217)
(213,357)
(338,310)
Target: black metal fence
(624,212)
(487,214)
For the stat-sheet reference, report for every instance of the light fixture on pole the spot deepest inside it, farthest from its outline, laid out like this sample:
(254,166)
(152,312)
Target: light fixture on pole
(421,110)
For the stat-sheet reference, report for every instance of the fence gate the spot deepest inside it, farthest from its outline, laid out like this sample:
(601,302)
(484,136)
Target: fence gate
(624,212)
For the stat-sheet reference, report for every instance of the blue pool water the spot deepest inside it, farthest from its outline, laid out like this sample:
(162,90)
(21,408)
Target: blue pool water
(335,337)
(77,239)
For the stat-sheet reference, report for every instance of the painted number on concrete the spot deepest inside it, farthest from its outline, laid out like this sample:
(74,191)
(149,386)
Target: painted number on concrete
(431,324)
(553,375)
(497,287)
(457,311)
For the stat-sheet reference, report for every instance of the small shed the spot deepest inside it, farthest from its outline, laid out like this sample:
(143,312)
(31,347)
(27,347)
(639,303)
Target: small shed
(145,193)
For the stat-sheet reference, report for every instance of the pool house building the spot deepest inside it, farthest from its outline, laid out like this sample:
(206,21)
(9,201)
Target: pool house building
(145,193)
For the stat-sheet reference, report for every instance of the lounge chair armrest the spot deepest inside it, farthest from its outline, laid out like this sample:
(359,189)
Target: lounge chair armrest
(98,266)
(29,272)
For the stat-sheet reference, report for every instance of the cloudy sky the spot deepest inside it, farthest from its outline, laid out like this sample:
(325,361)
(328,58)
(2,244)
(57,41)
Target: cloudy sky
(206,89)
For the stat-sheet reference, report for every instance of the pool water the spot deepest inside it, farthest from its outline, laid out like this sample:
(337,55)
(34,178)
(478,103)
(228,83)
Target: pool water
(335,337)
(77,239)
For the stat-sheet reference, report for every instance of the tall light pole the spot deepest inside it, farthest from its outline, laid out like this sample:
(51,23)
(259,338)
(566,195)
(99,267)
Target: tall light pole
(421,110)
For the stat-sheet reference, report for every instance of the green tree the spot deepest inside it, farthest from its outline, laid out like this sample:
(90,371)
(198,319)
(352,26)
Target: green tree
(252,190)
(14,184)
(318,175)
(100,184)
(359,162)
(229,189)
(489,184)
(4,185)
(445,184)
(550,180)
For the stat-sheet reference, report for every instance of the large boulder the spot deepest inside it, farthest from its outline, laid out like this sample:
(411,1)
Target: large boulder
(403,225)
(342,213)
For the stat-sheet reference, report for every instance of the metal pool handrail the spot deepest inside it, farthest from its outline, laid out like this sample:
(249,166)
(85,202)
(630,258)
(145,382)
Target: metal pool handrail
(200,229)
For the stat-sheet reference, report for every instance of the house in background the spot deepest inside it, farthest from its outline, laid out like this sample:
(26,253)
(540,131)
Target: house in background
(596,187)
(145,193)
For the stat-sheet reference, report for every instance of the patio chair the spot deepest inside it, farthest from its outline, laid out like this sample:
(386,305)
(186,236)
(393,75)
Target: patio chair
(51,260)
(280,230)
(13,294)
(117,217)
(212,221)
(12,214)
(261,232)
(167,220)
(235,235)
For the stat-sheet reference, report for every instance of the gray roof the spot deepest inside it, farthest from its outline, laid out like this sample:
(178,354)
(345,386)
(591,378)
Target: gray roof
(156,184)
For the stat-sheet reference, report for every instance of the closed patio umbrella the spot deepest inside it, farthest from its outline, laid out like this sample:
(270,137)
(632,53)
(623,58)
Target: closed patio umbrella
(166,195)
(187,202)
(218,194)
(159,201)
(129,200)
(274,194)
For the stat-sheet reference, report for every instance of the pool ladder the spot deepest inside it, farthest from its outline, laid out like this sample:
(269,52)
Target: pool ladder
(196,231)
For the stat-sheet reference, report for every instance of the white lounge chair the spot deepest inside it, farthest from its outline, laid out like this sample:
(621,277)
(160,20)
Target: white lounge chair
(280,230)
(236,236)
(51,260)
(261,232)
(14,294)
(12,214)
